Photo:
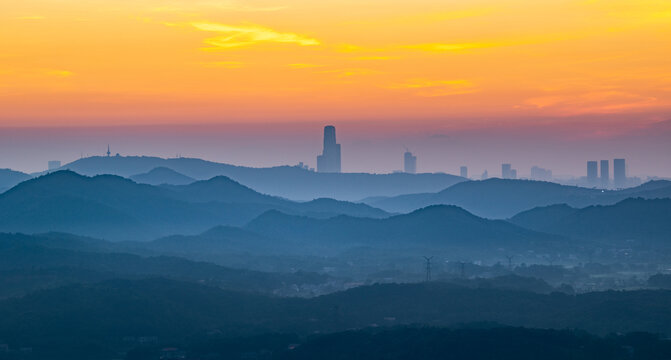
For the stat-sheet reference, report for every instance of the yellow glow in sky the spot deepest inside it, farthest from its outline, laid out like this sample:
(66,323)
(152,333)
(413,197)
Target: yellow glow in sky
(73,62)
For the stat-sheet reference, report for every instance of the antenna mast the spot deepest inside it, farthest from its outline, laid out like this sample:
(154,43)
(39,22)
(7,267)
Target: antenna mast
(428,268)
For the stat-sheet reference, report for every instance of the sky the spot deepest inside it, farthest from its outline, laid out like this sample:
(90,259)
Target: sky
(551,83)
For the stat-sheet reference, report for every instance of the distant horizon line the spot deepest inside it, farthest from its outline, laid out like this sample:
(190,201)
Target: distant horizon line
(554,179)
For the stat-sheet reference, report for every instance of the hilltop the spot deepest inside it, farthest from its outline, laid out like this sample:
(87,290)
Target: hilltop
(286,181)
(10,178)
(643,223)
(503,198)
(112,207)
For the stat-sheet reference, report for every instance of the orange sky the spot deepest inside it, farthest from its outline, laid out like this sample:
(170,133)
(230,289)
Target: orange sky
(102,62)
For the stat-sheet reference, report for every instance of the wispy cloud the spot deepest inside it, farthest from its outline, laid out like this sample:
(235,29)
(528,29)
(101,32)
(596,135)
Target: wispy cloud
(236,36)
(59,73)
(31,17)
(434,88)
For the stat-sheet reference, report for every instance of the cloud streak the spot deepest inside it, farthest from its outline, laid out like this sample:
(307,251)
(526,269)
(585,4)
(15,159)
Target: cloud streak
(237,36)
(31,17)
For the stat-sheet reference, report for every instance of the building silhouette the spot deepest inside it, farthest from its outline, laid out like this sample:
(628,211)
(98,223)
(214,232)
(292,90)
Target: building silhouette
(619,173)
(53,165)
(505,171)
(463,172)
(605,173)
(329,160)
(592,172)
(409,163)
(540,174)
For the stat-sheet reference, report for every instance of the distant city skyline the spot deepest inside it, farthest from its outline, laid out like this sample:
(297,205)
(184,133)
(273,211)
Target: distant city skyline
(252,83)
(366,147)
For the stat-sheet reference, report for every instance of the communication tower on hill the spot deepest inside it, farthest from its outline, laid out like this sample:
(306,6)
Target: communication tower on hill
(428,268)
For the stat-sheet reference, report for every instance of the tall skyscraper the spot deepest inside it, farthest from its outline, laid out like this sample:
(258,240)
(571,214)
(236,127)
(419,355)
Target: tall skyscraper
(506,171)
(329,160)
(463,172)
(619,173)
(409,163)
(605,173)
(592,172)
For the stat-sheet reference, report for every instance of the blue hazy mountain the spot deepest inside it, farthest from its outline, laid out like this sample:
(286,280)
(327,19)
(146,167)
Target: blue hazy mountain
(44,261)
(221,188)
(112,207)
(215,242)
(10,178)
(224,189)
(499,198)
(642,222)
(286,181)
(438,227)
(162,175)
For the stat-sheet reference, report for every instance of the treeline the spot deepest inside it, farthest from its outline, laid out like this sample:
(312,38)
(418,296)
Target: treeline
(172,311)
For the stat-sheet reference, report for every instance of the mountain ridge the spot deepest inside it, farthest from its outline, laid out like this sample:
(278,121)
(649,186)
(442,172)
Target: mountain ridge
(504,198)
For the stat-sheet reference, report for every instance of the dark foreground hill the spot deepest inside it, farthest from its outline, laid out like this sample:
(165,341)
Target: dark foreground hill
(286,181)
(501,343)
(648,222)
(108,312)
(112,207)
(498,198)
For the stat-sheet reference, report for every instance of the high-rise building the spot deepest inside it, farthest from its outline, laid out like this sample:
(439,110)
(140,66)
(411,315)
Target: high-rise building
(463,172)
(53,165)
(619,173)
(329,160)
(540,174)
(513,174)
(506,171)
(592,172)
(605,173)
(409,163)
